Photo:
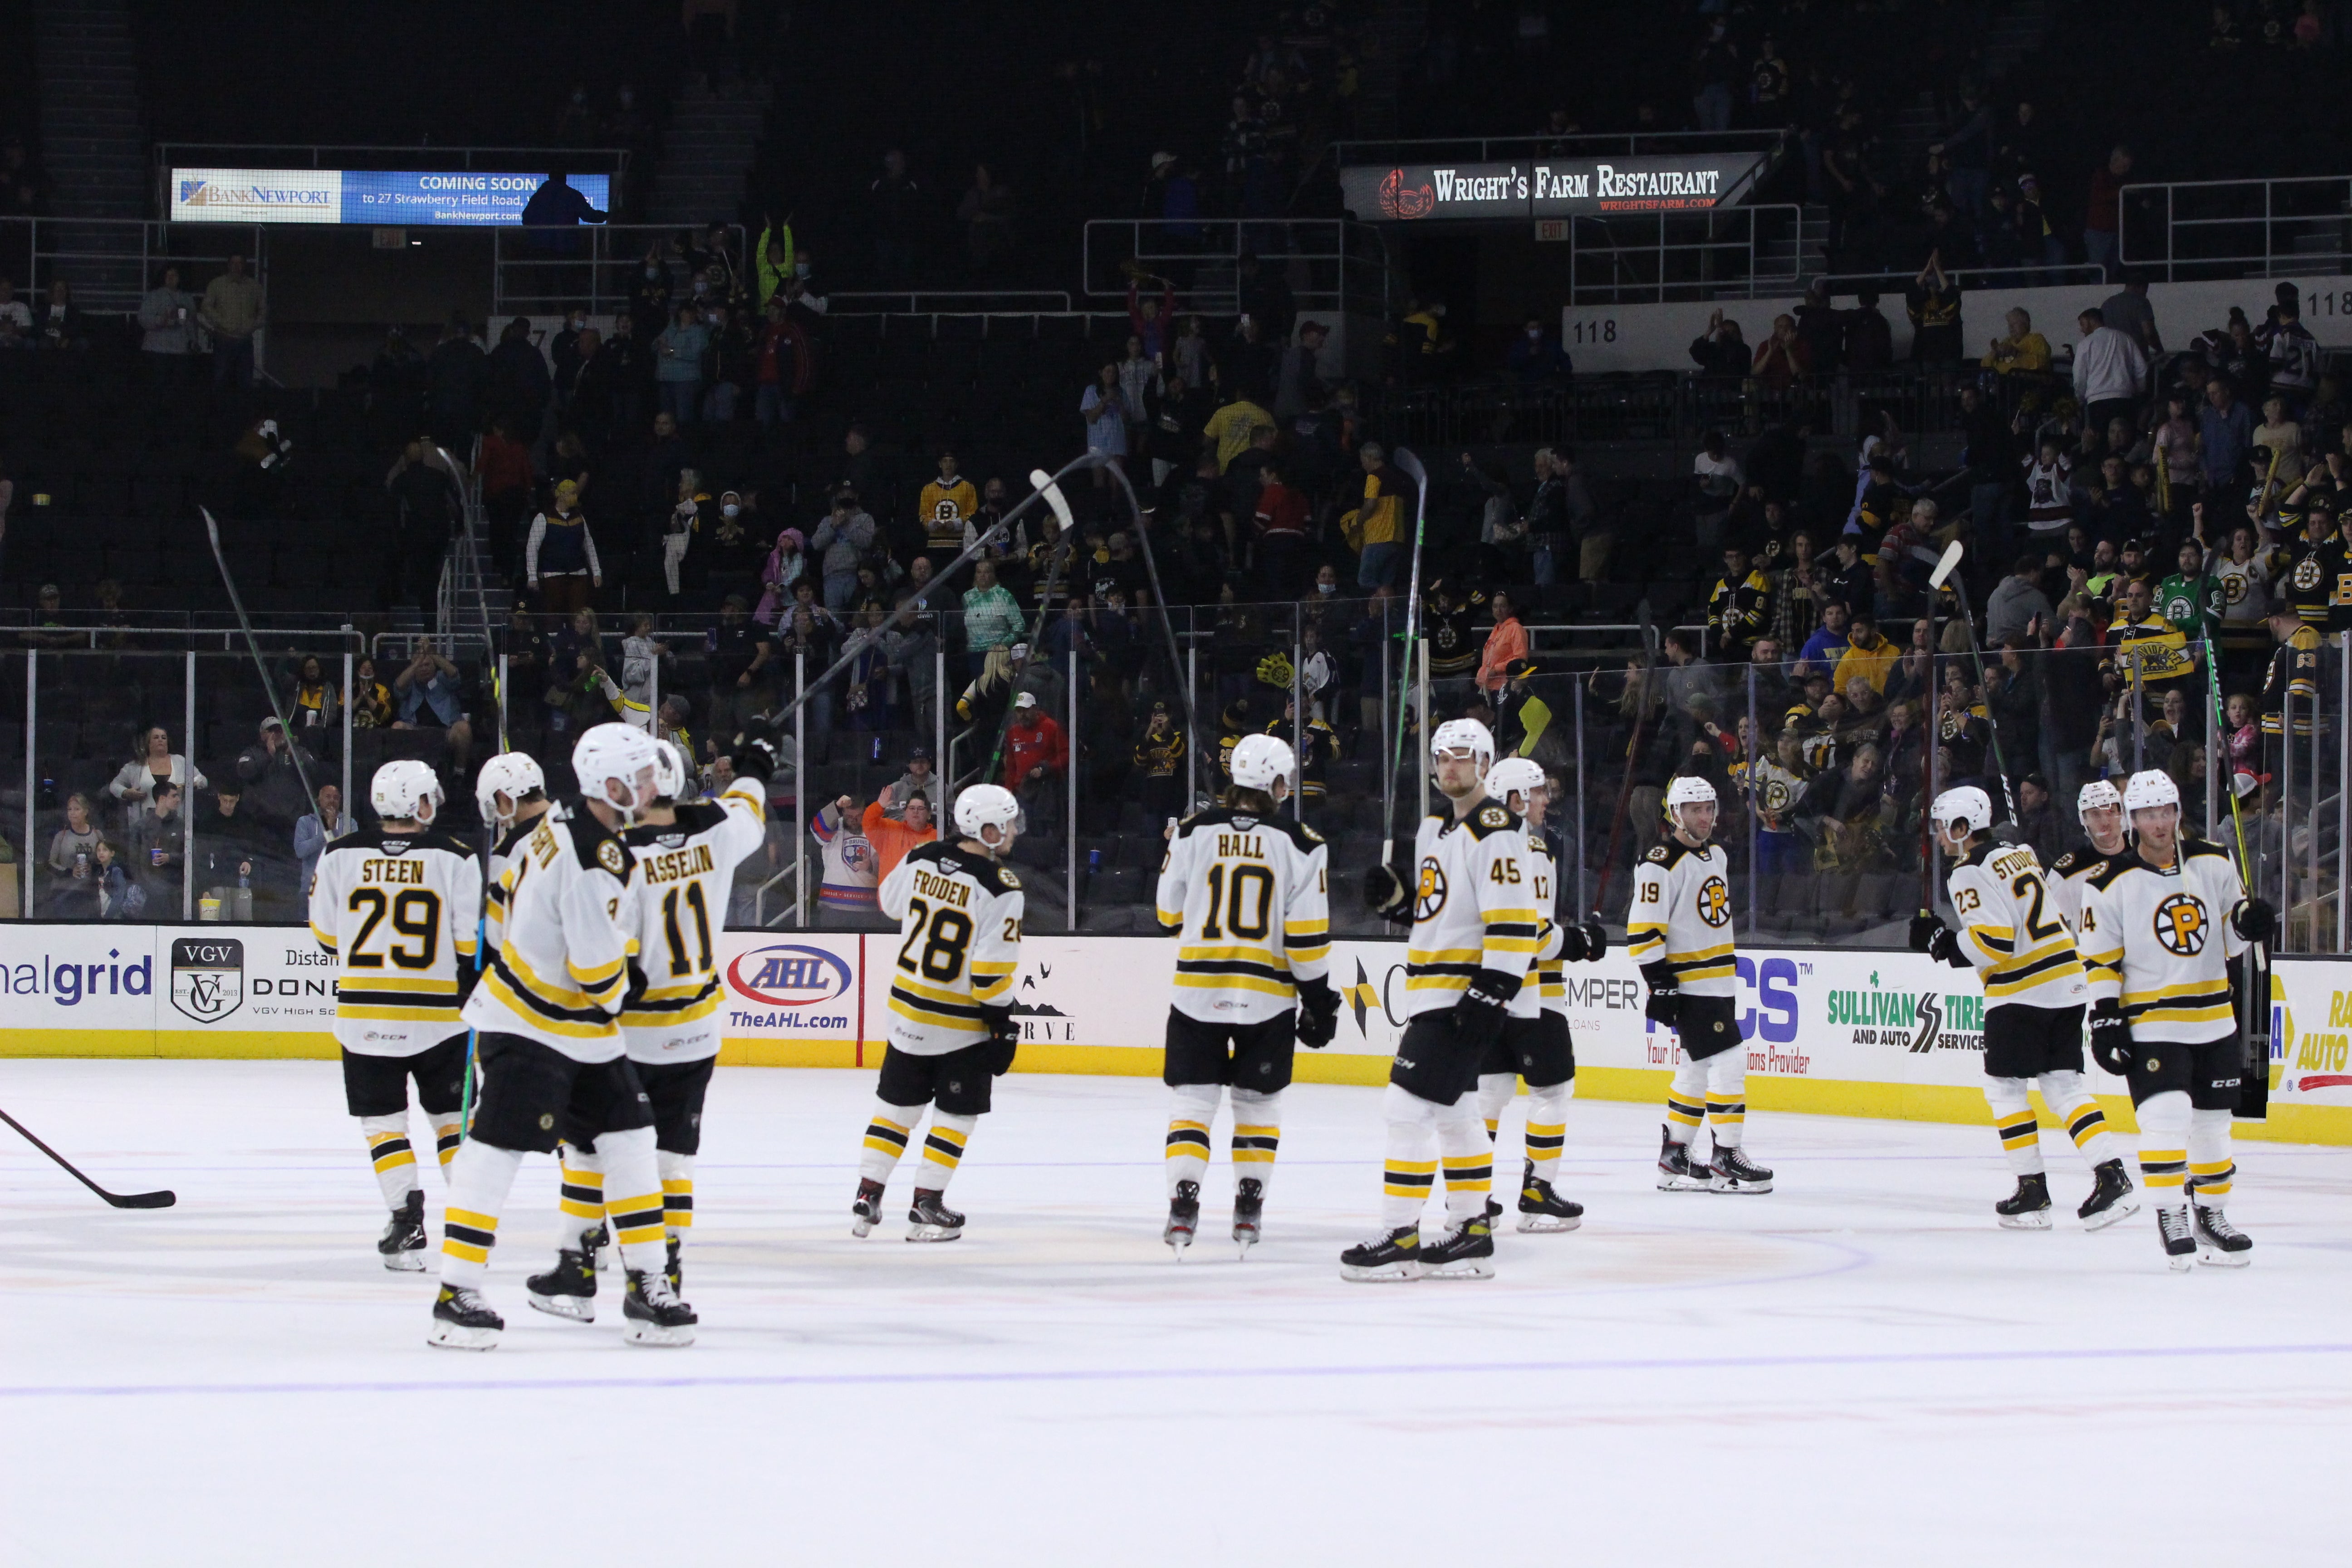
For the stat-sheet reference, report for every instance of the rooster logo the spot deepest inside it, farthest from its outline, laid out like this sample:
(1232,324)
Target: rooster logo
(1399,203)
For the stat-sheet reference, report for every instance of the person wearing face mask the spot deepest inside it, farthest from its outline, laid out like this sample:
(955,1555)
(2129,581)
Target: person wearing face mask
(773,257)
(1538,360)
(649,294)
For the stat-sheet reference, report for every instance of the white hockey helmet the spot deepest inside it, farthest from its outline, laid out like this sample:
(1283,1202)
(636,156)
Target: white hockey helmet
(669,770)
(987,805)
(1966,804)
(1261,762)
(1520,775)
(2098,794)
(616,751)
(1688,789)
(405,788)
(2149,788)
(1464,735)
(510,774)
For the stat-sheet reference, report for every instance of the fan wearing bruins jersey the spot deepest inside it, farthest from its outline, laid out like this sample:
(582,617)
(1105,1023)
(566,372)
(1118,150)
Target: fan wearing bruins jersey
(1535,1044)
(1470,894)
(1678,929)
(2294,673)
(952,1032)
(2162,926)
(1247,894)
(396,908)
(2012,935)
(551,1048)
(2099,807)
(686,857)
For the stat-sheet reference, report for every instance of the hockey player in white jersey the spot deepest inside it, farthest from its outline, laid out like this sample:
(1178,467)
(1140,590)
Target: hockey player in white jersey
(397,908)
(550,1047)
(686,857)
(2035,995)
(2099,807)
(952,1032)
(1678,929)
(1535,1044)
(1470,894)
(2163,924)
(511,793)
(1247,893)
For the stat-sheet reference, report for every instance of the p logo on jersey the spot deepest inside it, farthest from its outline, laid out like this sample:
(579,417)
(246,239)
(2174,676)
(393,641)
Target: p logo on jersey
(2180,925)
(1714,902)
(1430,897)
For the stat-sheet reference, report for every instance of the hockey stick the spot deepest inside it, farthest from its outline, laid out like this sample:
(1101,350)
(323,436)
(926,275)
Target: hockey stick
(482,604)
(1633,755)
(1945,572)
(1065,549)
(253,644)
(1412,469)
(2254,1095)
(1160,602)
(161,1200)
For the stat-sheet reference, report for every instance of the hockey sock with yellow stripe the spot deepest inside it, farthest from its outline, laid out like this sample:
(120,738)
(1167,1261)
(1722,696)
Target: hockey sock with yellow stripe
(1548,1128)
(886,1131)
(1257,1135)
(677,1193)
(479,1179)
(393,1157)
(579,1196)
(1409,1171)
(1726,1096)
(1495,1093)
(633,1196)
(2211,1171)
(2164,1123)
(1686,1100)
(2014,1123)
(943,1150)
(1468,1157)
(1189,1119)
(448,1131)
(2068,1096)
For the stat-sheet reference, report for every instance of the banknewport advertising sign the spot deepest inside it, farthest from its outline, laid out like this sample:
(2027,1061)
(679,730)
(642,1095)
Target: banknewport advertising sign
(1828,1030)
(1548,188)
(401,198)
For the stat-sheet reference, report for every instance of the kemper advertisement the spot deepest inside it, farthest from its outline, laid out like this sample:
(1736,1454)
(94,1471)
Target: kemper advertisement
(1554,188)
(1860,1033)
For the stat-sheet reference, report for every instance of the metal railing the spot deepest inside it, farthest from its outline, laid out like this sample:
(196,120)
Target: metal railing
(1624,145)
(2193,229)
(93,256)
(552,271)
(1347,263)
(1653,258)
(950,302)
(329,155)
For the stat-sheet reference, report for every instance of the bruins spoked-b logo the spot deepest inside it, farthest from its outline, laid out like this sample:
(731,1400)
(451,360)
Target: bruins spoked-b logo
(1429,896)
(1714,902)
(207,976)
(2180,925)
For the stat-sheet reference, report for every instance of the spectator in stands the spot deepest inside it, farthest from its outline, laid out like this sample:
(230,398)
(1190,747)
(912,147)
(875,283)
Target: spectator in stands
(2102,213)
(894,219)
(2291,356)
(233,850)
(233,311)
(679,354)
(893,835)
(992,616)
(516,381)
(457,375)
(555,204)
(426,509)
(2225,434)
(737,649)
(1537,358)
(1279,521)
(60,324)
(2110,372)
(166,316)
(1932,303)
(2018,603)
(560,562)
(73,892)
(1716,480)
(431,696)
(272,774)
(1714,72)
(1784,358)
(1232,426)
(1739,605)
(786,565)
(311,838)
(1720,350)
(159,851)
(986,214)
(2023,350)
(1102,408)
(143,778)
(371,707)
(1036,759)
(784,369)
(1869,339)
(1505,646)
(851,866)
(1297,380)
(1377,528)
(845,541)
(946,505)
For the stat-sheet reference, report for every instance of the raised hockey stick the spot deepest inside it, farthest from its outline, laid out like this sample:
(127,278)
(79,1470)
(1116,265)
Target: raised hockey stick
(1633,755)
(2254,1093)
(1065,549)
(253,644)
(161,1200)
(1160,603)
(1944,573)
(1413,470)
(482,605)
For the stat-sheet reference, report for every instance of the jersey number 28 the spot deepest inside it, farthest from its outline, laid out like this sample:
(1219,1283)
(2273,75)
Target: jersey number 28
(943,953)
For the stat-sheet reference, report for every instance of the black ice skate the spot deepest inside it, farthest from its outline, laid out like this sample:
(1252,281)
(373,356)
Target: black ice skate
(463,1321)
(2111,1196)
(1731,1171)
(931,1220)
(1466,1253)
(2220,1243)
(1676,1172)
(2028,1208)
(866,1212)
(2172,1229)
(1540,1208)
(651,1313)
(1393,1256)
(403,1242)
(1183,1218)
(1249,1212)
(568,1290)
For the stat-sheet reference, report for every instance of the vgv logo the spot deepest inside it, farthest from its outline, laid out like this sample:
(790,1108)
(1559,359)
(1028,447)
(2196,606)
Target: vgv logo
(207,978)
(789,976)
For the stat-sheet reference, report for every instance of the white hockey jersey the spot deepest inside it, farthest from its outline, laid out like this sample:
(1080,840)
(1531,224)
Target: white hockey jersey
(494,898)
(958,917)
(2160,942)
(561,968)
(1474,905)
(1250,896)
(685,869)
(2068,875)
(1549,993)
(397,911)
(2011,928)
(1681,913)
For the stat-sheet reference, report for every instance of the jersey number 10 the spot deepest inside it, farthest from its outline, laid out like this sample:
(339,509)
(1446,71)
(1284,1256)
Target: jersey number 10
(1232,899)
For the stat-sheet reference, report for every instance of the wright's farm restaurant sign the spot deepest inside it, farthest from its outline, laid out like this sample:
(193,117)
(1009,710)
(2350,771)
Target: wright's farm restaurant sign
(1576,187)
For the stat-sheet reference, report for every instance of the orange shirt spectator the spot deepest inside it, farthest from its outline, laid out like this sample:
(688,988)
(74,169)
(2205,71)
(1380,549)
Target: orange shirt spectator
(892,836)
(1506,644)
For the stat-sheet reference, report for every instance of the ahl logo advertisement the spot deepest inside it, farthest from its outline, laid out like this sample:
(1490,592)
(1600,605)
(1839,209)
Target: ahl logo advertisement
(789,987)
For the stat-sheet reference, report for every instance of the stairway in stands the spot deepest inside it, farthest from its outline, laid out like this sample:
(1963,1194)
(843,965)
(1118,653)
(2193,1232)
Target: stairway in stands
(94,143)
(2017,30)
(713,137)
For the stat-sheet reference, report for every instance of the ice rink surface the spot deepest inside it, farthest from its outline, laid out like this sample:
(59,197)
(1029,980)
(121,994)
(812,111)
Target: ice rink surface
(1858,1368)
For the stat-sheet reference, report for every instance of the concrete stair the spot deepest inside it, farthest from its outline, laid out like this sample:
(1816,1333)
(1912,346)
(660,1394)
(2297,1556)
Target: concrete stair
(2017,30)
(93,140)
(708,151)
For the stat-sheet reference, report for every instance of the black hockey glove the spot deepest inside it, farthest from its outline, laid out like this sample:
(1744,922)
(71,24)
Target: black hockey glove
(1923,927)
(1003,1040)
(467,978)
(1944,948)
(1596,941)
(1318,1014)
(1388,893)
(1478,1016)
(1665,1004)
(2254,920)
(1572,945)
(2111,1041)
(754,760)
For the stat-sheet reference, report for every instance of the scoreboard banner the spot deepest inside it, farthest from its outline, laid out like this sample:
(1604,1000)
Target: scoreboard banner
(392,198)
